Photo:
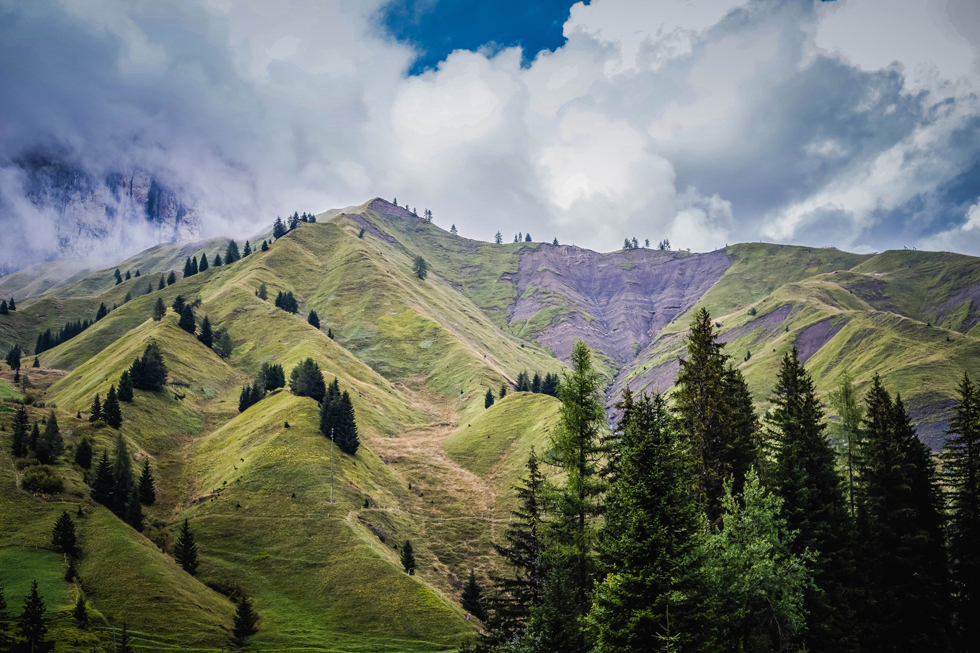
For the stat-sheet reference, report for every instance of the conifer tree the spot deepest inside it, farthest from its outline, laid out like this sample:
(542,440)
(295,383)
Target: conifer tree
(149,372)
(79,613)
(13,357)
(555,242)
(148,493)
(278,228)
(125,392)
(186,321)
(194,269)
(3,308)
(263,292)
(171,278)
(313,319)
(128,275)
(805,476)
(35,438)
(102,484)
(453,230)
(488,399)
(258,391)
(223,345)
(111,414)
(498,238)
(37,363)
(203,266)
(206,336)
(420,268)
(102,312)
(185,549)
(118,276)
(159,310)
(245,619)
(245,399)
(247,250)
(149,289)
(71,573)
(900,532)
(32,626)
(961,468)
(51,444)
(844,401)
(471,600)
(122,476)
(649,537)
(536,383)
(346,435)
(231,253)
(133,511)
(503,390)
(272,376)
(84,453)
(306,380)
(217,261)
(13,306)
(265,246)
(178,304)
(188,270)
(63,536)
(162,284)
(18,445)
(95,410)
(523,383)
(577,449)
(408,558)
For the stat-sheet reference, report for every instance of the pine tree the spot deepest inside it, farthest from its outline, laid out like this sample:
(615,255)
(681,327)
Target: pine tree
(523,383)
(247,250)
(245,619)
(900,532)
(471,600)
(133,511)
(263,292)
(278,228)
(51,444)
(186,321)
(536,383)
(96,410)
(503,390)
(118,276)
(37,363)
(204,262)
(148,493)
(272,376)
(178,304)
(63,537)
(171,278)
(18,445)
(188,270)
(159,310)
(35,438)
(122,477)
(162,284)
(128,275)
(102,484)
(245,399)
(408,558)
(265,246)
(555,242)
(223,345)
(649,537)
(79,613)
(111,414)
(185,549)
(231,253)
(346,434)
(149,372)
(13,357)
(3,308)
(84,453)
(313,319)
(498,238)
(306,380)
(577,449)
(32,626)
(961,468)
(805,476)
(206,336)
(453,230)
(217,261)
(13,305)
(194,264)
(420,268)
(102,312)
(844,401)
(125,392)
(149,289)
(488,399)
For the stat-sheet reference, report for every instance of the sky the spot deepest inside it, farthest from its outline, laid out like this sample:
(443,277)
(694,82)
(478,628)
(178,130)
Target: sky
(852,123)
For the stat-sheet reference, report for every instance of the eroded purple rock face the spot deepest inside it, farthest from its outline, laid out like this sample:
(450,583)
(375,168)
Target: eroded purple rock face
(387,208)
(616,302)
(816,336)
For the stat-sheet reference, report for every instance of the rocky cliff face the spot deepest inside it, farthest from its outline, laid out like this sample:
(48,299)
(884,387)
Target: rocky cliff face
(104,214)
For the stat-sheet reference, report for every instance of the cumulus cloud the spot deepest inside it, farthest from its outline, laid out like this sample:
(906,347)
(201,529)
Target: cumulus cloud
(710,122)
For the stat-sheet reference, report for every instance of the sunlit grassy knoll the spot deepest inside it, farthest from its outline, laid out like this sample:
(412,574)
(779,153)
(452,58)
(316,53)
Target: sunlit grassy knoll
(42,277)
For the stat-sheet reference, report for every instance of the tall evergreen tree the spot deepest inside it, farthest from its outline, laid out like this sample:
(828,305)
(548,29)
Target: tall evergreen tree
(159,310)
(231,253)
(306,380)
(900,532)
(245,619)
(148,493)
(84,453)
(101,312)
(203,266)
(63,537)
(162,284)
(51,444)
(265,246)
(133,511)
(961,468)
(13,357)
(18,444)
(805,476)
(847,428)
(111,414)
(245,399)
(472,598)
(649,538)
(79,613)
(188,270)
(33,626)
(185,549)
(206,336)
(122,477)
(272,376)
(247,250)
(346,435)
(488,399)
(128,275)
(278,228)
(178,304)
(149,372)
(408,558)
(577,448)
(102,483)
(125,392)
(523,382)
(34,438)
(313,319)
(171,278)
(536,383)
(96,409)
(186,321)
(420,268)
(217,261)
(3,308)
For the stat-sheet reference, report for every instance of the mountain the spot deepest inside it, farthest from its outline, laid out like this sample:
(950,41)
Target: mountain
(314,535)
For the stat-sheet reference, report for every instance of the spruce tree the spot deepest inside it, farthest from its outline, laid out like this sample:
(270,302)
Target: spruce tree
(37,363)
(217,261)
(101,312)
(111,414)
(577,449)
(96,409)
(178,304)
(185,549)
(503,390)
(844,401)
(63,537)
(18,445)
(84,453)
(231,253)
(247,250)
(125,392)
(523,383)
(34,438)
(188,270)
(330,411)
(162,284)
(313,319)
(3,308)
(536,383)
(79,613)
(306,380)
(278,228)
(245,399)
(420,268)
(961,469)
(649,538)
(194,264)
(223,346)
(128,275)
(118,276)
(32,626)
(159,310)
(149,372)
(102,484)
(186,321)
(206,336)
(408,558)
(133,512)
(805,476)
(203,266)
(245,619)
(346,435)
(265,246)
(148,494)
(13,306)
(51,444)
(471,599)
(488,399)
(122,477)
(171,278)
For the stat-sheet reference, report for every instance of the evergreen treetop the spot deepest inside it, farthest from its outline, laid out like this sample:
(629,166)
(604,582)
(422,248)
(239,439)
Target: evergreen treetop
(111,414)
(186,321)
(63,536)
(408,558)
(245,619)
(185,549)
(306,380)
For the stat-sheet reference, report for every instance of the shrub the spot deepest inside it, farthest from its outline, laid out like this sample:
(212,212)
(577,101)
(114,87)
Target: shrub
(42,479)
